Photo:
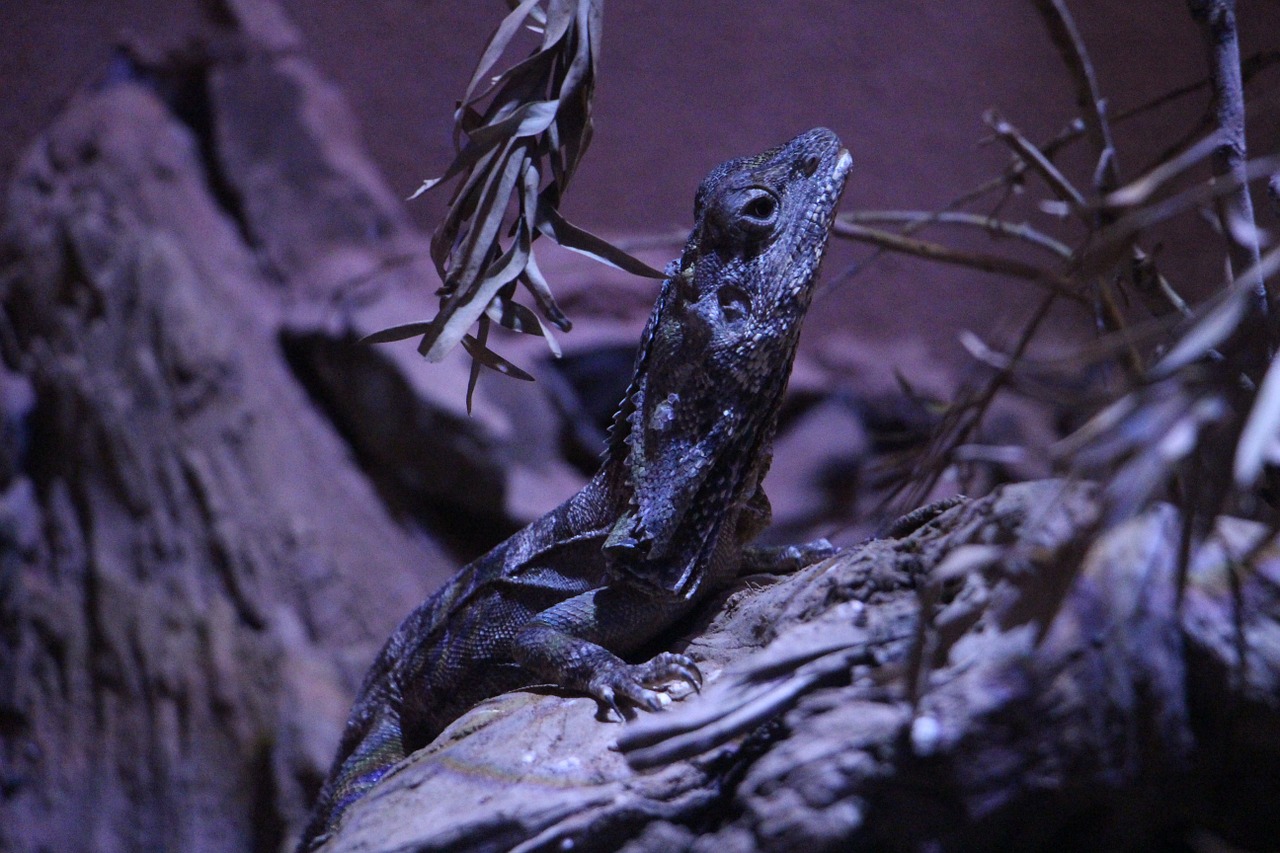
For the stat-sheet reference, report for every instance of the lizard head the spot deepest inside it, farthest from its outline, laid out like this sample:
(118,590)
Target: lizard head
(716,355)
(747,274)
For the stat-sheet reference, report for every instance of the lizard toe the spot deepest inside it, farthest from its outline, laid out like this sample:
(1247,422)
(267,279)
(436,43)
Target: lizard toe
(668,667)
(608,697)
(795,557)
(645,685)
(609,688)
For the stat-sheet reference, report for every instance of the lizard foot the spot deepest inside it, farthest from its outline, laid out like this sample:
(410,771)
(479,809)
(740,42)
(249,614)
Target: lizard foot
(636,682)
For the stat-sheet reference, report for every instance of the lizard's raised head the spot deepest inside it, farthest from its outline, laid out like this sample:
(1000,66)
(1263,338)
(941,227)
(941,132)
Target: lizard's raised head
(748,271)
(716,354)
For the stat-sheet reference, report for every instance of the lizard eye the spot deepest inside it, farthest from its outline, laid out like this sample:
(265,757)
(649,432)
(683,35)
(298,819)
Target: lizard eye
(759,210)
(734,303)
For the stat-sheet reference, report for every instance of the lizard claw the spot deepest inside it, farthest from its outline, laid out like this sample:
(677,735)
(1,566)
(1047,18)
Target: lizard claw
(635,682)
(670,666)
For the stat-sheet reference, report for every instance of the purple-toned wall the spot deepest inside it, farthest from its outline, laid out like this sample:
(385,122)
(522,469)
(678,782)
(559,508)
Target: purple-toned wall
(685,85)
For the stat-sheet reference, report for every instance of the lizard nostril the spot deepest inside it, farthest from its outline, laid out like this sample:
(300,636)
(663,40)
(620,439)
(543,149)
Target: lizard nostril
(809,165)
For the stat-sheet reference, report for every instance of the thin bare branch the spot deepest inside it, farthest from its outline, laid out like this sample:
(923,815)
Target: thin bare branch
(1036,160)
(1144,187)
(1066,38)
(1113,242)
(989,224)
(948,255)
(1217,21)
(962,418)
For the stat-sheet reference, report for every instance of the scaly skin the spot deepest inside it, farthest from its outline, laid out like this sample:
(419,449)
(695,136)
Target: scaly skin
(667,518)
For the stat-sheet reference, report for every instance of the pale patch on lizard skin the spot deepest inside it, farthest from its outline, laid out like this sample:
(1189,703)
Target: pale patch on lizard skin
(668,518)
(664,413)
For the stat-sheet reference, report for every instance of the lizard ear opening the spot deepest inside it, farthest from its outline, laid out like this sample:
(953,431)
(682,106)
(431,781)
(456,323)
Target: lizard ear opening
(686,289)
(734,303)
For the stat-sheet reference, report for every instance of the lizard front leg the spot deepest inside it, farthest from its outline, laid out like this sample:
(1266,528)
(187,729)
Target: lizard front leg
(773,560)
(569,644)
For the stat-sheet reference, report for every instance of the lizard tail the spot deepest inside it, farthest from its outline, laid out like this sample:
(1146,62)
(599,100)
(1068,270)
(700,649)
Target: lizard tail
(357,768)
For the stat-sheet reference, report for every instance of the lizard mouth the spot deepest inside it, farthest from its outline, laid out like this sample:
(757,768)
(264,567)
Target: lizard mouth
(844,162)
(811,240)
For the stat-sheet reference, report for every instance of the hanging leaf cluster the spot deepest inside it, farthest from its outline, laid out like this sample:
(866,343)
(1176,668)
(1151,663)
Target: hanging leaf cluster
(520,134)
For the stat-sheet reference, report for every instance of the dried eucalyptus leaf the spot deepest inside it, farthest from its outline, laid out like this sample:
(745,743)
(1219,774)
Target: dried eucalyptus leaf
(582,69)
(426,185)
(526,75)
(983,353)
(560,16)
(397,333)
(1261,430)
(510,314)
(538,110)
(550,338)
(471,157)
(526,120)
(490,359)
(555,226)
(537,286)
(1207,333)
(481,242)
(574,125)
(457,315)
(497,46)
(530,179)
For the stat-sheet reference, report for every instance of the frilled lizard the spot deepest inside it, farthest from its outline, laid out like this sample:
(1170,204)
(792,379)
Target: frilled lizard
(668,517)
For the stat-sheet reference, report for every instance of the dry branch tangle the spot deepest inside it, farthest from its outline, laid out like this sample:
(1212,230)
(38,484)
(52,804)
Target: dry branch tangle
(1062,708)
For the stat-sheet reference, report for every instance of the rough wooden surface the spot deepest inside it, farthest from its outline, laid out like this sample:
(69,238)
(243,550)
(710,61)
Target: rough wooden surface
(1063,702)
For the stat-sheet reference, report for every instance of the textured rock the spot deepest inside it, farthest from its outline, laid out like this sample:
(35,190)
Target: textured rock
(181,525)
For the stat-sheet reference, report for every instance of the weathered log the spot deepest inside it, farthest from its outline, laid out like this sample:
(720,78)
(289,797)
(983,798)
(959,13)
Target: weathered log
(1057,696)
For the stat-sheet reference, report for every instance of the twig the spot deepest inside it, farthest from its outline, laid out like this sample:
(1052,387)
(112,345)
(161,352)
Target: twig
(1217,21)
(1066,38)
(1075,130)
(1036,160)
(960,422)
(945,254)
(1110,244)
(989,224)
(1144,187)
